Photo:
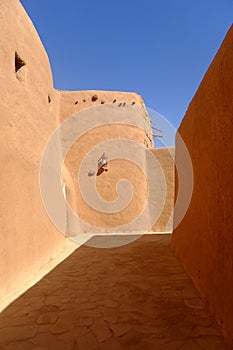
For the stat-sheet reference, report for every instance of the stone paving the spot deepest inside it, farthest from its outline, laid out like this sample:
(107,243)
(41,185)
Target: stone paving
(132,297)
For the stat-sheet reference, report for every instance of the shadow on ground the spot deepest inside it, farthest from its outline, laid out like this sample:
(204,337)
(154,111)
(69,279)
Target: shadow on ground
(131,297)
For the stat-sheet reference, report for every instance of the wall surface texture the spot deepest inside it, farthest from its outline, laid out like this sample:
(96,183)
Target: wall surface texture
(204,239)
(165,158)
(123,109)
(27,238)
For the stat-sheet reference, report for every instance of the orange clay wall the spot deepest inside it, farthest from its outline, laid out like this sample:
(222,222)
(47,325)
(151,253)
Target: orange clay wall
(165,156)
(118,169)
(27,237)
(204,239)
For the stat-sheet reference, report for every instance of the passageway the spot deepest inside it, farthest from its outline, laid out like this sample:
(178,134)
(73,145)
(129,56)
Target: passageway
(131,297)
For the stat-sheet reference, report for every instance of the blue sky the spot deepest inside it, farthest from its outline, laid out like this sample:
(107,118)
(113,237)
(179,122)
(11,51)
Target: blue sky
(158,48)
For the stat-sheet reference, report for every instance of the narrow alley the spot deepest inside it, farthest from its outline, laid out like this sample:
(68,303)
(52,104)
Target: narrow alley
(131,297)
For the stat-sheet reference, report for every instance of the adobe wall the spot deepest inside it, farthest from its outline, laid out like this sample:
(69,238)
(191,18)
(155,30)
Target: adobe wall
(77,101)
(118,169)
(28,239)
(204,239)
(165,156)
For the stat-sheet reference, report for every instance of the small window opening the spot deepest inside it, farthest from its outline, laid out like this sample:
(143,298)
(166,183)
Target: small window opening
(49,99)
(94,98)
(114,101)
(19,63)
(76,102)
(84,100)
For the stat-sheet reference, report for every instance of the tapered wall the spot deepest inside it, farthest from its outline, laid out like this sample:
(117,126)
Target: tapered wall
(204,239)
(28,111)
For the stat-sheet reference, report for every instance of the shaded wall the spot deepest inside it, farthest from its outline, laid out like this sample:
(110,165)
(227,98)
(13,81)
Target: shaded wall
(28,110)
(204,239)
(165,157)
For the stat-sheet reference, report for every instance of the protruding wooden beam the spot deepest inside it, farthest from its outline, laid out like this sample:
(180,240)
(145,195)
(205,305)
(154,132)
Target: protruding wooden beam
(156,135)
(154,128)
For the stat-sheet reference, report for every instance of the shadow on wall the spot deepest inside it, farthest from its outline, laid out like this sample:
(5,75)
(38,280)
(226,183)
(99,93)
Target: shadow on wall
(165,158)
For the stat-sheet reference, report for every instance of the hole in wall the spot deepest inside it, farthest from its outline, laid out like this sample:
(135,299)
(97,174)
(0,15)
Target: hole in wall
(94,98)
(133,103)
(19,62)
(102,102)
(76,102)
(84,100)
(49,99)
(114,101)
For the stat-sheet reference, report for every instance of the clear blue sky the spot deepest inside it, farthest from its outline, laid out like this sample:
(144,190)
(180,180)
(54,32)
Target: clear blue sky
(158,48)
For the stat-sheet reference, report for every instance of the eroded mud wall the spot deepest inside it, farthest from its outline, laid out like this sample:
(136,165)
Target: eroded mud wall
(114,104)
(28,111)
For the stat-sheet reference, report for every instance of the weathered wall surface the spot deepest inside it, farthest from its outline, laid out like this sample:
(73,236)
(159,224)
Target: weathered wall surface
(118,169)
(27,239)
(165,156)
(204,239)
